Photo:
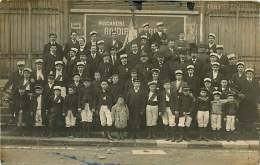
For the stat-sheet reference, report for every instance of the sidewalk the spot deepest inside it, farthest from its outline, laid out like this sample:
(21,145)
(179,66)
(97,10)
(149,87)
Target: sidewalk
(35,142)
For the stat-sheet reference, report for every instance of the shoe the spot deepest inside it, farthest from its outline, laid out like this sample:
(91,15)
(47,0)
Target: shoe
(173,139)
(180,139)
(186,139)
(205,138)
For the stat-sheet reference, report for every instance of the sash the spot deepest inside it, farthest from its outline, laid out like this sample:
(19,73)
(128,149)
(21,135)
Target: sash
(152,97)
(58,78)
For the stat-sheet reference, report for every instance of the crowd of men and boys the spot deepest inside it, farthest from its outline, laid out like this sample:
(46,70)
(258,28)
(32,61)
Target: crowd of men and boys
(154,80)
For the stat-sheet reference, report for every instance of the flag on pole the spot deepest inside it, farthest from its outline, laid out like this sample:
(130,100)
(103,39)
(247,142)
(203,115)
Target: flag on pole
(131,34)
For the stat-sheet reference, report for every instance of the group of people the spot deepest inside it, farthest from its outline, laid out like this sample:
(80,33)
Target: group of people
(149,81)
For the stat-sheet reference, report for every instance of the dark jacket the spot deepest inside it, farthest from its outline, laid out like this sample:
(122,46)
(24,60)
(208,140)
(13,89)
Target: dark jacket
(71,103)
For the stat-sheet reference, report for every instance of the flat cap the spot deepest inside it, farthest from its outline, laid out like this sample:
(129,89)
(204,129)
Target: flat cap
(20,63)
(37,61)
(207,80)
(27,69)
(212,34)
(100,42)
(152,83)
(249,70)
(159,24)
(145,24)
(190,67)
(178,72)
(58,63)
(57,88)
(123,56)
(93,32)
(230,56)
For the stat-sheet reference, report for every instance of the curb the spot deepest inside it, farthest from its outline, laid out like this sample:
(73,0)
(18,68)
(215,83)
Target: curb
(101,142)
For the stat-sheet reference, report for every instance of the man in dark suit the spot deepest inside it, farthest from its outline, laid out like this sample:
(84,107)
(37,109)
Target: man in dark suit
(52,41)
(93,39)
(94,59)
(114,58)
(72,43)
(192,80)
(101,47)
(115,42)
(123,69)
(215,75)
(145,31)
(171,51)
(105,67)
(222,58)
(212,43)
(50,58)
(15,77)
(133,55)
(160,34)
(83,49)
(197,63)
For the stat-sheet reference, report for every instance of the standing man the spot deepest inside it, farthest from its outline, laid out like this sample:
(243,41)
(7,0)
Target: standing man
(247,114)
(72,43)
(93,39)
(212,43)
(222,58)
(135,100)
(115,42)
(160,35)
(52,41)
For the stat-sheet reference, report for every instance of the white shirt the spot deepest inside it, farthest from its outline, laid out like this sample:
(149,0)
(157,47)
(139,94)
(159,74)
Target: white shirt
(50,85)
(215,74)
(39,75)
(39,102)
(160,34)
(210,45)
(136,90)
(93,55)
(150,95)
(167,98)
(57,74)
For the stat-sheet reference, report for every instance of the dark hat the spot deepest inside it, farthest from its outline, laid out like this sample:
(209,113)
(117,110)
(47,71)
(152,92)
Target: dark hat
(185,88)
(136,80)
(106,54)
(143,54)
(52,34)
(87,79)
(75,74)
(133,70)
(166,81)
(203,89)
(38,86)
(51,75)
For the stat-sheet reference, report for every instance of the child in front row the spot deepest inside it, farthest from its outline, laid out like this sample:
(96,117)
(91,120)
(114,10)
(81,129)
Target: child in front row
(185,105)
(216,114)
(230,109)
(202,107)
(70,108)
(120,116)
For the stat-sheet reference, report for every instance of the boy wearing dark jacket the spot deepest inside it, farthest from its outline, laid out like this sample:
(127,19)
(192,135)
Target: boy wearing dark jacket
(70,110)
(54,110)
(185,105)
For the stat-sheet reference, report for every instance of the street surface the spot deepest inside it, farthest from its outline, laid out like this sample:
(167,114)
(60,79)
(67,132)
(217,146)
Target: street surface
(51,155)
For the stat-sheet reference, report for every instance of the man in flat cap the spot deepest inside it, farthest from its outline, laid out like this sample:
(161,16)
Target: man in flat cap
(135,100)
(160,34)
(231,68)
(15,77)
(38,73)
(94,59)
(212,43)
(239,76)
(247,114)
(222,58)
(144,68)
(93,39)
(115,41)
(123,69)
